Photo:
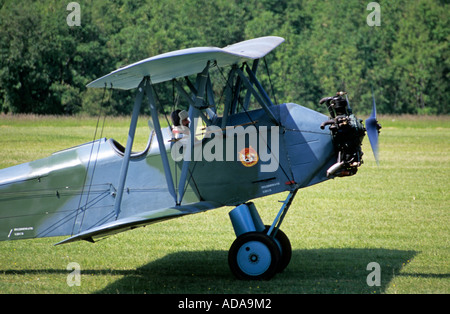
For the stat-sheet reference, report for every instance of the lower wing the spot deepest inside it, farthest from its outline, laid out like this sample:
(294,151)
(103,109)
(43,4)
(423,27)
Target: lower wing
(140,220)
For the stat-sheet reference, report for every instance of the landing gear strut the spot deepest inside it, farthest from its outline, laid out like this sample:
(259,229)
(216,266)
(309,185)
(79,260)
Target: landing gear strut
(259,251)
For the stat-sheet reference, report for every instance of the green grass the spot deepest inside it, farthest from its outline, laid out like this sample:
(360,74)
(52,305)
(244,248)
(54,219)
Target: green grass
(396,214)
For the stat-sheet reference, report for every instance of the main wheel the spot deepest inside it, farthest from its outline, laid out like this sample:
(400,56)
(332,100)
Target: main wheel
(254,256)
(285,246)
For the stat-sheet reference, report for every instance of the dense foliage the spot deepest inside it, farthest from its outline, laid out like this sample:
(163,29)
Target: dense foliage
(45,63)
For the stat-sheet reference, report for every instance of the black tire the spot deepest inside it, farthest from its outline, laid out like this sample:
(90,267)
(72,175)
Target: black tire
(254,256)
(286,249)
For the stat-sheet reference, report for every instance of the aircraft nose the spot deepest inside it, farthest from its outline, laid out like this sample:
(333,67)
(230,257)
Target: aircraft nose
(309,148)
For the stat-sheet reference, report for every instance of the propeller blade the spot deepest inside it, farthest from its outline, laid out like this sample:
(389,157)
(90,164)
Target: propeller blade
(348,104)
(373,129)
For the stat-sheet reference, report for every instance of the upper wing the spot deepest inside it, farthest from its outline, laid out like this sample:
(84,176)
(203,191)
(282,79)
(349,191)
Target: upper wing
(186,62)
(140,220)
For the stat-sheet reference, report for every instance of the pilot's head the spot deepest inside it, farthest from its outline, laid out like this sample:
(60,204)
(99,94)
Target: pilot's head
(175,117)
(184,118)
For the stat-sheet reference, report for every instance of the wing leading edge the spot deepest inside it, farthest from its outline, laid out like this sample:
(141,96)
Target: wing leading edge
(167,66)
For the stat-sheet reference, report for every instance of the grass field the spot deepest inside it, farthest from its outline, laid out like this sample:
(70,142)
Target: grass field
(396,215)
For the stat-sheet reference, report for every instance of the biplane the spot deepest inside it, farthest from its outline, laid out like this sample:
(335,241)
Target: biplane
(248,149)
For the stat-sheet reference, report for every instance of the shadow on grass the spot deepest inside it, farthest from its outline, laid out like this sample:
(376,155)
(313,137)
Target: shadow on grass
(310,271)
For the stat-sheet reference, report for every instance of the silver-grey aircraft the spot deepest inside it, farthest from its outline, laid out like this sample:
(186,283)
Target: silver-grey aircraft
(231,150)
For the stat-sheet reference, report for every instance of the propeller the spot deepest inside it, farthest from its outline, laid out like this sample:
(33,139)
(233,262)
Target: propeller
(348,104)
(373,129)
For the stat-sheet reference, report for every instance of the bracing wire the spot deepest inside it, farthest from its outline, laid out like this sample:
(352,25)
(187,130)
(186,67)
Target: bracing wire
(270,81)
(84,208)
(285,172)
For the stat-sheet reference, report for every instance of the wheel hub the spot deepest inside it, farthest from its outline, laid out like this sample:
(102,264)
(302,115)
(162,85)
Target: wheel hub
(253,258)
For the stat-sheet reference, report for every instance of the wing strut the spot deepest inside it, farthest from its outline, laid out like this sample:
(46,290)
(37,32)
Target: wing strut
(193,114)
(259,93)
(145,87)
(249,93)
(130,140)
(162,147)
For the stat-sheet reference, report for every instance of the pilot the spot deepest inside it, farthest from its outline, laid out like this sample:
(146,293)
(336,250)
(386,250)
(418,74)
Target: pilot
(180,120)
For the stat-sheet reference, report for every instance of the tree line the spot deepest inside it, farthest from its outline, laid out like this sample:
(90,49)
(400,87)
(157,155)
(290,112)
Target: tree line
(397,48)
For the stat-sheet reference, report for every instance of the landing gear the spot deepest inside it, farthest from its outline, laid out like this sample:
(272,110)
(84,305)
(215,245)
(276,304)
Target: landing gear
(259,252)
(284,245)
